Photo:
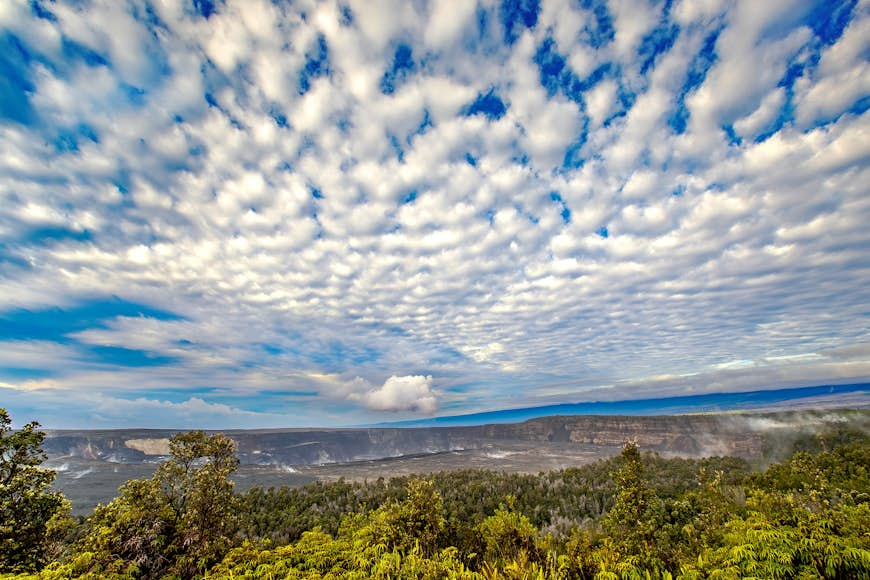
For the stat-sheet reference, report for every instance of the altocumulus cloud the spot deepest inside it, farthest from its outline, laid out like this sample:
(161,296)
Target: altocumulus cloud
(272,213)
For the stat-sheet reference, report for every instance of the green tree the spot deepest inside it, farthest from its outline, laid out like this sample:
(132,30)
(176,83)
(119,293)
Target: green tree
(421,515)
(782,537)
(634,518)
(417,521)
(179,522)
(196,483)
(509,536)
(27,503)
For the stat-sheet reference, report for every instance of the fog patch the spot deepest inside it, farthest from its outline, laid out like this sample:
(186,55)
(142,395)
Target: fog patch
(81,474)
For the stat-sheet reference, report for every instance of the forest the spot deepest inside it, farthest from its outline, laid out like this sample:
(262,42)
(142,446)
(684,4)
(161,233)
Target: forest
(634,516)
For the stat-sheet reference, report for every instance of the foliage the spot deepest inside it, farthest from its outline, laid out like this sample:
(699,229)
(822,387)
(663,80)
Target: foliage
(179,522)
(417,521)
(32,516)
(555,501)
(507,535)
(397,540)
(633,520)
(637,516)
(782,538)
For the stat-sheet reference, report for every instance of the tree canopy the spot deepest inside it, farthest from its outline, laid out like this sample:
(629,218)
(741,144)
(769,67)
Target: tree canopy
(28,505)
(176,524)
(636,516)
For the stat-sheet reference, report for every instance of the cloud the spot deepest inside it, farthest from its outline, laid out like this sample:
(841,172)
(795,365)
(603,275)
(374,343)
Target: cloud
(408,393)
(763,116)
(97,410)
(841,76)
(501,197)
(412,393)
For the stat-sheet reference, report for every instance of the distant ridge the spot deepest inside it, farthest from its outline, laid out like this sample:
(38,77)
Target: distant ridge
(706,403)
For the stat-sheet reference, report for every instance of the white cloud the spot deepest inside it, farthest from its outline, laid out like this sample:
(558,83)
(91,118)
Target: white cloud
(689,11)
(382,20)
(101,410)
(761,117)
(633,21)
(600,102)
(447,20)
(438,252)
(842,76)
(749,65)
(398,393)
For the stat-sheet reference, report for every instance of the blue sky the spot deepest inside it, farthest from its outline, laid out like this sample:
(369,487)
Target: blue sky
(261,214)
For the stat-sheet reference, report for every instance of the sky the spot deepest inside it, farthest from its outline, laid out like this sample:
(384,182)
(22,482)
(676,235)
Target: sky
(274,214)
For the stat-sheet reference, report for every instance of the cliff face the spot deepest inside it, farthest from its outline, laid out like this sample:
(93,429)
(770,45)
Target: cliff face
(679,435)
(291,447)
(111,446)
(687,435)
(341,446)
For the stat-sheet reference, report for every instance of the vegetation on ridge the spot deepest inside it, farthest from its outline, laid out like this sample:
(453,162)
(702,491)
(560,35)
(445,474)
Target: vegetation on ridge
(30,511)
(634,516)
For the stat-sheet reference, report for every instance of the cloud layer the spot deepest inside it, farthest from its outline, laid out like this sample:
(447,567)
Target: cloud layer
(273,208)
